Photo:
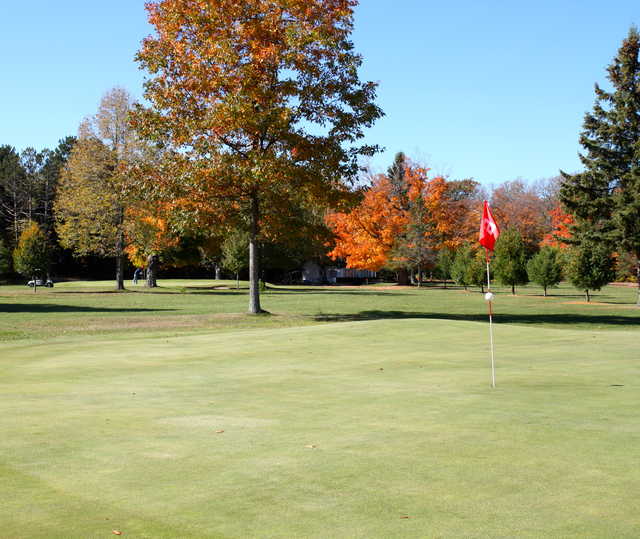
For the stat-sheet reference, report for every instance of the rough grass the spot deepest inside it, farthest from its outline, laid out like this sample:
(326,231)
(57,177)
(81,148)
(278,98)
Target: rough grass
(201,422)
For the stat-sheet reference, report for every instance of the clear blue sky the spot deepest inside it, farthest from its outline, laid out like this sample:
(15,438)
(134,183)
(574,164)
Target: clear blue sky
(493,90)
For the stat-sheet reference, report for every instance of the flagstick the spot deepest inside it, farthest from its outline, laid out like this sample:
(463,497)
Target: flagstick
(493,365)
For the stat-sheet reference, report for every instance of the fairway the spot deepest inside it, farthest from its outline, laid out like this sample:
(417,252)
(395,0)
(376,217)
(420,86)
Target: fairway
(379,427)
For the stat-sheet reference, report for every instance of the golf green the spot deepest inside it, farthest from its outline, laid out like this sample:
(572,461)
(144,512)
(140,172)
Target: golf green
(375,428)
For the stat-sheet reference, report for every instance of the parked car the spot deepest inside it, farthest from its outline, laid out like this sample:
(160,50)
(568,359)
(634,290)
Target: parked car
(41,282)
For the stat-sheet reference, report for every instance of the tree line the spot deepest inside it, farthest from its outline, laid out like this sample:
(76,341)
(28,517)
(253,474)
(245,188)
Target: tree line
(247,154)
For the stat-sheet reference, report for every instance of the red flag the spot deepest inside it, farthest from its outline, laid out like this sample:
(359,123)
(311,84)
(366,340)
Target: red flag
(489,230)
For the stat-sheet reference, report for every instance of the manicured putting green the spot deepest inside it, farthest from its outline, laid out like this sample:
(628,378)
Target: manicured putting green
(378,428)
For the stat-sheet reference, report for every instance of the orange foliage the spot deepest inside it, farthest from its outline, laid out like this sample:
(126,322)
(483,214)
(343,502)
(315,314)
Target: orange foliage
(560,222)
(365,237)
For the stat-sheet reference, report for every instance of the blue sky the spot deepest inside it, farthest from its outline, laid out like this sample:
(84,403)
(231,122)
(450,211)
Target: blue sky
(493,90)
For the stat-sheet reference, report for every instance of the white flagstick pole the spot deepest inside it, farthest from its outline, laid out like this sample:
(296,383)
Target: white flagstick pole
(489,297)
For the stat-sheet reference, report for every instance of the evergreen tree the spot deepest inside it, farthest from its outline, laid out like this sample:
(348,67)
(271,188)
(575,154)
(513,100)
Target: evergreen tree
(32,256)
(544,268)
(460,266)
(510,259)
(590,267)
(605,198)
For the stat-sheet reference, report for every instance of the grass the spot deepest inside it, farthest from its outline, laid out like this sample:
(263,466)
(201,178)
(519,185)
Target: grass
(381,425)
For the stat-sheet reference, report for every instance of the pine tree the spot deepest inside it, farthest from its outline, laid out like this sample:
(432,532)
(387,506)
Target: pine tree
(544,268)
(605,198)
(510,259)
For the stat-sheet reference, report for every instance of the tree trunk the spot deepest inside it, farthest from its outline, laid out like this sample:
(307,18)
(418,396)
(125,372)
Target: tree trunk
(403,277)
(254,270)
(545,291)
(152,271)
(419,277)
(218,271)
(482,288)
(638,278)
(120,253)
(586,295)
(237,280)
(513,289)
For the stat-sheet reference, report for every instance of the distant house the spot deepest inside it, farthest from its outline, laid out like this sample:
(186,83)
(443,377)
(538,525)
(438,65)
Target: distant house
(313,273)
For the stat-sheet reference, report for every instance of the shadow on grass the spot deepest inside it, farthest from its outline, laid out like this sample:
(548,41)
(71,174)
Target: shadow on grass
(552,319)
(332,291)
(43,308)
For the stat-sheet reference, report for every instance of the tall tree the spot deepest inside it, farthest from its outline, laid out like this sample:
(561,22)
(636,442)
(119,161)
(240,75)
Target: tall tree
(605,198)
(12,178)
(94,193)
(256,100)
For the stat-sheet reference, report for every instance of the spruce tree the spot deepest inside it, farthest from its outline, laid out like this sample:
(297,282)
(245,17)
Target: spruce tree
(605,198)
(510,264)
(544,268)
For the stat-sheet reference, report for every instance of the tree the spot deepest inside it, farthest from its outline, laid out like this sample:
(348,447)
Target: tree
(402,221)
(12,178)
(518,205)
(477,270)
(605,197)
(461,263)
(255,101)
(544,268)
(32,256)
(93,198)
(234,253)
(444,263)
(510,259)
(5,258)
(590,266)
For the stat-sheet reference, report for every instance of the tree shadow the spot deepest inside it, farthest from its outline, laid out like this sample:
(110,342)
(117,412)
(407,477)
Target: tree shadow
(526,319)
(44,308)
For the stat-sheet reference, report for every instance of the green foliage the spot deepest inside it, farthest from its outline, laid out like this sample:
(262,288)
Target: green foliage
(590,267)
(605,198)
(461,263)
(477,270)
(5,258)
(235,251)
(444,263)
(509,265)
(544,268)
(32,256)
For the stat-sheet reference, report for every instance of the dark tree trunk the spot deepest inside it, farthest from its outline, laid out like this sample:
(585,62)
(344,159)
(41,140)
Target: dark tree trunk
(513,289)
(403,277)
(638,278)
(254,269)
(419,277)
(586,295)
(120,253)
(482,288)
(545,291)
(152,271)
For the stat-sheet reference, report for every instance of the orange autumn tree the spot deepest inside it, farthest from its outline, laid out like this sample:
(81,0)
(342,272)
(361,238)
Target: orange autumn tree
(560,223)
(256,103)
(403,220)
